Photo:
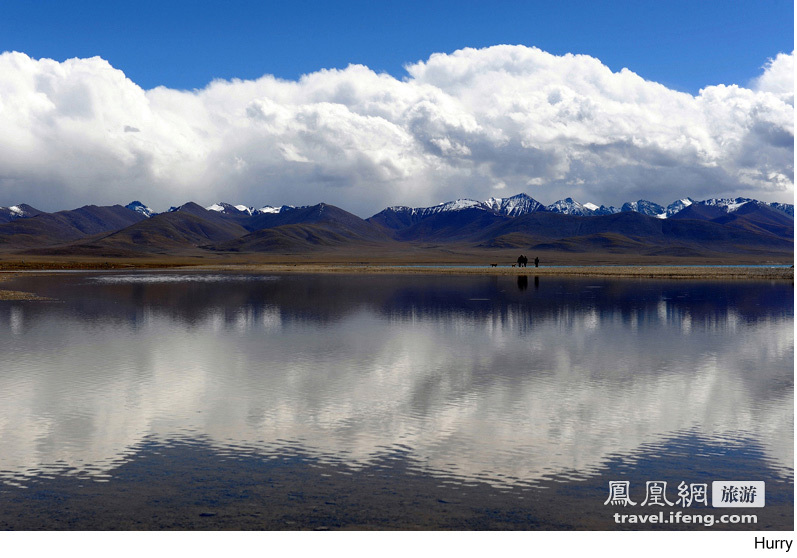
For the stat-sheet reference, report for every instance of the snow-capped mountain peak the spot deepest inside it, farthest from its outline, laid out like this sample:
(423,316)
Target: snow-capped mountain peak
(729,205)
(514,206)
(646,207)
(678,205)
(230,209)
(17,211)
(139,207)
(455,205)
(13,212)
(226,208)
(568,206)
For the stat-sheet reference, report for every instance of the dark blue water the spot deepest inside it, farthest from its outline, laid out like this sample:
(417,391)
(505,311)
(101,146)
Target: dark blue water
(433,402)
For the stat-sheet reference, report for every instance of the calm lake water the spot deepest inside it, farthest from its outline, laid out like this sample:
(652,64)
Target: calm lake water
(176,400)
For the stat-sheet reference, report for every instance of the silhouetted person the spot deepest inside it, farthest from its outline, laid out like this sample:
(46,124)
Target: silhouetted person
(536,262)
(520,260)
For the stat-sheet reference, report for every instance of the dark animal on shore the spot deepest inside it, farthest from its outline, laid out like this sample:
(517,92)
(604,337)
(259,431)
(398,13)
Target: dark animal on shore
(493,265)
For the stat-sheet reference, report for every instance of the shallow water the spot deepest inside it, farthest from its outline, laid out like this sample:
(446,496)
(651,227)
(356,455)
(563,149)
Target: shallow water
(507,402)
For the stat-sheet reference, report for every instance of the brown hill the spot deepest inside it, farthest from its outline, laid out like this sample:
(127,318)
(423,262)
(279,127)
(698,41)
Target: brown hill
(329,216)
(186,229)
(50,229)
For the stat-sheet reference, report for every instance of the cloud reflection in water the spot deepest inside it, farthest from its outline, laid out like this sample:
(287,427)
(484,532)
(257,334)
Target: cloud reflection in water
(474,377)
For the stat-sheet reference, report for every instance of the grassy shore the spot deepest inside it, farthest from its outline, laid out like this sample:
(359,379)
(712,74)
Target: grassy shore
(20,295)
(672,272)
(663,271)
(688,270)
(427,255)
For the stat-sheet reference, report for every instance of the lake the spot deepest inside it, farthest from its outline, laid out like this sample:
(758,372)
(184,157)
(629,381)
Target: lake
(186,400)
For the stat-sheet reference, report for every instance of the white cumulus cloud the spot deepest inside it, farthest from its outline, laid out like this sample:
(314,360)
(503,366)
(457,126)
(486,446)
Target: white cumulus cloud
(778,77)
(458,125)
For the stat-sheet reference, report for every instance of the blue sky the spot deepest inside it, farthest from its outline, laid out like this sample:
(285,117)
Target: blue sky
(106,102)
(185,44)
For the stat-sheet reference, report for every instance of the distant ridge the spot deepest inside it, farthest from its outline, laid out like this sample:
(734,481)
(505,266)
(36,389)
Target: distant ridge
(513,206)
(46,229)
(523,204)
(721,226)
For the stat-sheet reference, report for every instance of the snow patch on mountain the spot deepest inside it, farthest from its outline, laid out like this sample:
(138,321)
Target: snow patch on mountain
(678,205)
(12,213)
(455,205)
(729,205)
(646,207)
(139,207)
(786,208)
(231,209)
(421,212)
(514,206)
(568,206)
(603,210)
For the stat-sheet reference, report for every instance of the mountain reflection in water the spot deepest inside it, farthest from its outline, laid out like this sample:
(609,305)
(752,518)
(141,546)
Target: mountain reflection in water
(502,380)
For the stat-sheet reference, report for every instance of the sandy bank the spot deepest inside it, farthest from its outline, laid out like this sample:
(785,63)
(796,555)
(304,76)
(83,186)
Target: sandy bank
(20,295)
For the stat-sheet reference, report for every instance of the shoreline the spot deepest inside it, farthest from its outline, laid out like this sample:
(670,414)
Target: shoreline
(671,272)
(619,271)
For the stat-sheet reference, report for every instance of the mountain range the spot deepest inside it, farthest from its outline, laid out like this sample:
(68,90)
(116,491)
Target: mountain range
(722,227)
